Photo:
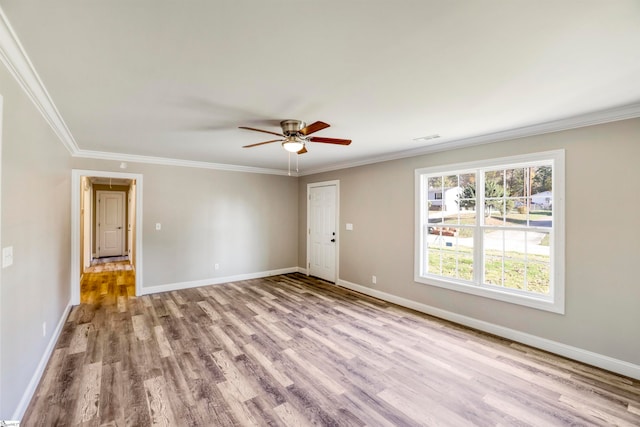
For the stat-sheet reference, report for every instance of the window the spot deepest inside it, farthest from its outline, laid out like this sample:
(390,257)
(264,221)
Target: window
(494,228)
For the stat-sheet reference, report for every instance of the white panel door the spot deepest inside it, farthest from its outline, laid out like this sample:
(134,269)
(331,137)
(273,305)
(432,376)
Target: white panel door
(322,232)
(110,225)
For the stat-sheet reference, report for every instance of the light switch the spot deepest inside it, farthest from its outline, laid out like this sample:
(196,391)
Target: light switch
(349,226)
(7,256)
(158,226)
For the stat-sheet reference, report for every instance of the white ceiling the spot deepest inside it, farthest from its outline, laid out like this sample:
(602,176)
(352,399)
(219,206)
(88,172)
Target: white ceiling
(175,79)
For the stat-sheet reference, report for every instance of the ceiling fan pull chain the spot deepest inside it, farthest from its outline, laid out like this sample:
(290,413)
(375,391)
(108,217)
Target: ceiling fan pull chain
(289,163)
(297,157)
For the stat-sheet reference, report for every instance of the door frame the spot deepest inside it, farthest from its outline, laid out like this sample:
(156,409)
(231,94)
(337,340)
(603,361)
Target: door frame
(311,185)
(124,228)
(76,189)
(1,134)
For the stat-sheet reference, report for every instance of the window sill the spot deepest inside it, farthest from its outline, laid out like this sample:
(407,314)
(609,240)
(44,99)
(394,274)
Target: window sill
(550,303)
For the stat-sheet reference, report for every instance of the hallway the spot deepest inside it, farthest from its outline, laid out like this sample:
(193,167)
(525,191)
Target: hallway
(107,281)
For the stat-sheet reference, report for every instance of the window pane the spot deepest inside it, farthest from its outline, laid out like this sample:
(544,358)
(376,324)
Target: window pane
(494,202)
(493,270)
(465,179)
(494,177)
(461,218)
(538,277)
(450,255)
(434,185)
(541,216)
(451,219)
(514,274)
(516,183)
(434,214)
(516,253)
(434,242)
(493,212)
(541,245)
(541,179)
(515,244)
(465,268)
(467,198)
(518,215)
(435,193)
(542,196)
(493,240)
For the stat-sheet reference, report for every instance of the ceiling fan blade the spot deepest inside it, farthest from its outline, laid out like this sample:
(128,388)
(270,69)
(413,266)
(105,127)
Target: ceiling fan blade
(261,143)
(330,140)
(303,150)
(313,127)
(260,130)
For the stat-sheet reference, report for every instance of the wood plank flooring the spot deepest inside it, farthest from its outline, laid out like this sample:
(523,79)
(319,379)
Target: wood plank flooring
(295,351)
(107,280)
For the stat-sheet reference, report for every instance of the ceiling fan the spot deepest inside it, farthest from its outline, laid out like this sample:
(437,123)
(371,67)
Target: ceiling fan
(295,135)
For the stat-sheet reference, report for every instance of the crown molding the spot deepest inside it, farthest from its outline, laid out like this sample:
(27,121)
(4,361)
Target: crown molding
(623,112)
(134,158)
(19,65)
(15,58)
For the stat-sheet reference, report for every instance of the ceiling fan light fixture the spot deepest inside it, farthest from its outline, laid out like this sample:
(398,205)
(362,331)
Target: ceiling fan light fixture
(292,144)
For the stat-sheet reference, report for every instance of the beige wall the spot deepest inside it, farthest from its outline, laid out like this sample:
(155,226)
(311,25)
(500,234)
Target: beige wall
(245,222)
(602,237)
(36,203)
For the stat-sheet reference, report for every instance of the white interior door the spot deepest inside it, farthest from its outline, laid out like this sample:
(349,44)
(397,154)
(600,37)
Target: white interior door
(322,231)
(110,226)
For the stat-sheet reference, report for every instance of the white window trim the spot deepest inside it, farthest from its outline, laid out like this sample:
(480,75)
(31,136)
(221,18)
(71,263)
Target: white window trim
(555,302)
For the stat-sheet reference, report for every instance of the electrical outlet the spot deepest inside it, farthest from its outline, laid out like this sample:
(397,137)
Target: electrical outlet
(158,226)
(374,279)
(44,329)
(216,266)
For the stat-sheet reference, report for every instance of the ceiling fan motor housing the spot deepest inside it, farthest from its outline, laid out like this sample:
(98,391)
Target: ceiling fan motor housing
(292,127)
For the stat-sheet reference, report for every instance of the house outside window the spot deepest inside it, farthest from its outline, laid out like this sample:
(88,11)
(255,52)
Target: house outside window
(504,241)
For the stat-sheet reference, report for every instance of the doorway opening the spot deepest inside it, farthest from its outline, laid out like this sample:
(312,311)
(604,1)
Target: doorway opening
(109,217)
(323,230)
(106,234)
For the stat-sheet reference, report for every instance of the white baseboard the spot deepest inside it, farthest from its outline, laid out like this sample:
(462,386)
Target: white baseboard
(575,353)
(217,280)
(37,375)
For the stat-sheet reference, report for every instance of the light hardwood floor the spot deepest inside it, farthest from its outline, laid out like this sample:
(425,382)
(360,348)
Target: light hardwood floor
(105,281)
(292,350)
